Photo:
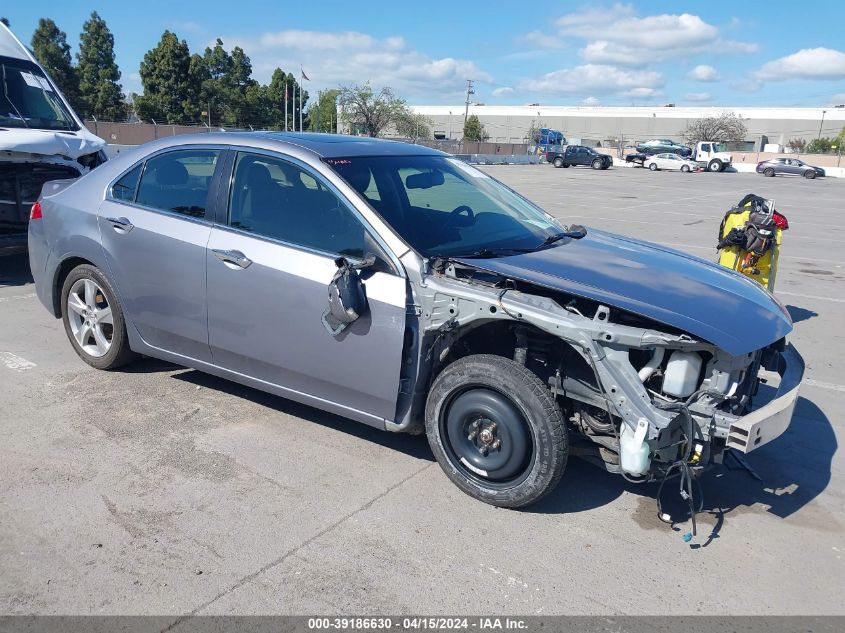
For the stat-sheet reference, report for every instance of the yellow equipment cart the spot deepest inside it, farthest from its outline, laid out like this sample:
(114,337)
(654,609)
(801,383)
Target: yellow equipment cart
(750,239)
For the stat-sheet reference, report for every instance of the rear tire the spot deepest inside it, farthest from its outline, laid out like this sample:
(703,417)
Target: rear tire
(481,400)
(809,174)
(558,162)
(93,319)
(769,172)
(653,166)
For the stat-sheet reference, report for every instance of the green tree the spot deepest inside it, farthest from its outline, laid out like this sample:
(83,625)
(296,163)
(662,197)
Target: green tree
(323,114)
(218,64)
(50,47)
(165,75)
(820,145)
(276,96)
(414,126)
(100,92)
(474,130)
(368,112)
(197,102)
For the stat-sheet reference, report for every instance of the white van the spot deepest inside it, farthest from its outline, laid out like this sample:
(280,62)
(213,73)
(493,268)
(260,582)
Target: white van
(41,138)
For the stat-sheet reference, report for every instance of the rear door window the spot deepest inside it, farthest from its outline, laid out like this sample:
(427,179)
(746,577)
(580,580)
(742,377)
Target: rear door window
(178,181)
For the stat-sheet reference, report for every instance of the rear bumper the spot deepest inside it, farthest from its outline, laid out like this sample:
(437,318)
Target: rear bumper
(770,421)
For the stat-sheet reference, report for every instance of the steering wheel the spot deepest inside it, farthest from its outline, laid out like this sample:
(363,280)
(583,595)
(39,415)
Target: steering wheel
(455,213)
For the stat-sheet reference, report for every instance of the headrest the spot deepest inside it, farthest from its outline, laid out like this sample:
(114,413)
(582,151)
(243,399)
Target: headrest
(171,172)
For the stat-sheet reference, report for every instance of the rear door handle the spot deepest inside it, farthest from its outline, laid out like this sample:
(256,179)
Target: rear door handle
(232,257)
(121,224)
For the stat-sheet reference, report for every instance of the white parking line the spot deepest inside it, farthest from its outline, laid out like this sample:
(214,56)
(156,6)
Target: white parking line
(15,362)
(803,296)
(823,385)
(16,297)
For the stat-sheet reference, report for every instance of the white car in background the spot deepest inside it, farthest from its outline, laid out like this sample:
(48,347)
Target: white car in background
(670,161)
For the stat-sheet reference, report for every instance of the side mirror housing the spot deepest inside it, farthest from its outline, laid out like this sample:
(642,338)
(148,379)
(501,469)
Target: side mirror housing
(347,297)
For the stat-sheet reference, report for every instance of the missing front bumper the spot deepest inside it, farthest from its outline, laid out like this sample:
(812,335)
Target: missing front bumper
(770,421)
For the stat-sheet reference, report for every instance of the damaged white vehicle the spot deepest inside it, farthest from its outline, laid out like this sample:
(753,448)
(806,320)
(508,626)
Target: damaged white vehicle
(41,138)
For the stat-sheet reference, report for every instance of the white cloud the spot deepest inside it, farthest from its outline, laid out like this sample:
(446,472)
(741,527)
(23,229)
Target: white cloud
(503,91)
(538,39)
(698,97)
(704,72)
(808,63)
(591,79)
(836,99)
(617,36)
(332,58)
(642,93)
(590,101)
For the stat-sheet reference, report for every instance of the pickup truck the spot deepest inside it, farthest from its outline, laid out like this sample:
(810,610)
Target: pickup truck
(580,155)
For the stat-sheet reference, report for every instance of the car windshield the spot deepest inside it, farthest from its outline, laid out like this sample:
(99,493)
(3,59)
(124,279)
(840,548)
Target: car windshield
(444,207)
(27,99)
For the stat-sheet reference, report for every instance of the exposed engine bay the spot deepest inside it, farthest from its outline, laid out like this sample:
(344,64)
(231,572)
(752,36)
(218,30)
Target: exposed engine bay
(642,399)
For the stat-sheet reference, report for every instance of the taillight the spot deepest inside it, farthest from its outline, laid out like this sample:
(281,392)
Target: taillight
(35,213)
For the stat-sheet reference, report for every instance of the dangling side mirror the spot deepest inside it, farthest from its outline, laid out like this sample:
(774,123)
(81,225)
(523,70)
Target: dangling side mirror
(347,296)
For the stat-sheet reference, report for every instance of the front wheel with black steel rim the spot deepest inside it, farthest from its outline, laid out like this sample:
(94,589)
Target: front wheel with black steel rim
(93,319)
(496,430)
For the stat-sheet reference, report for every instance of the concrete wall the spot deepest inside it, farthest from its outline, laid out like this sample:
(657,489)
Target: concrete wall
(632,124)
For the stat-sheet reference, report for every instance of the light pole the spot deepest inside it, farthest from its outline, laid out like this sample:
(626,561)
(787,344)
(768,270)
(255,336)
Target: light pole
(820,125)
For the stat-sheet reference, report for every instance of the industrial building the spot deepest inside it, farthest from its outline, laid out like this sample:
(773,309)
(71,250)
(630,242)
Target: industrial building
(610,125)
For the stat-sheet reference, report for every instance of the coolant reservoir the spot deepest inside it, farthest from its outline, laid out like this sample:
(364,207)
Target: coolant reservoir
(633,449)
(681,376)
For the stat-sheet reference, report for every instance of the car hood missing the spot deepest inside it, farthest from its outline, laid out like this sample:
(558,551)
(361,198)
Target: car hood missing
(699,297)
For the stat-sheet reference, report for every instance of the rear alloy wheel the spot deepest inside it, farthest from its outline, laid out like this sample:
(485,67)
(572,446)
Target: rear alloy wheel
(653,166)
(809,174)
(93,319)
(768,171)
(596,164)
(558,162)
(685,169)
(496,431)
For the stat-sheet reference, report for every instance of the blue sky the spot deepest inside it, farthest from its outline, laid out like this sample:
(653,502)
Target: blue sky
(775,53)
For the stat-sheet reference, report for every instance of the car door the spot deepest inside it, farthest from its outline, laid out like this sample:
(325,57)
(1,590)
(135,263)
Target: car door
(270,261)
(154,232)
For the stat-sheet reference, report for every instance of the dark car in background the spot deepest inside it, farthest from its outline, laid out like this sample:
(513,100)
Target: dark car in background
(663,146)
(788,167)
(580,155)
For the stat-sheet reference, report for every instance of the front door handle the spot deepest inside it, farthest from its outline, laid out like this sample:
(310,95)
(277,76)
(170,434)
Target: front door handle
(121,224)
(232,257)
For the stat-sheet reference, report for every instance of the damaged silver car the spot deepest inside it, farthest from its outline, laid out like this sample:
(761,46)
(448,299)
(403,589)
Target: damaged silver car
(397,286)
(41,139)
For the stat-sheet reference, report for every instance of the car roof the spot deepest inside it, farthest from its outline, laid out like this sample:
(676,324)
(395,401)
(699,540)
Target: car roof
(322,145)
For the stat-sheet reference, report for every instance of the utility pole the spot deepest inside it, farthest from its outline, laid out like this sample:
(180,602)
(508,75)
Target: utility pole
(470,91)
(821,124)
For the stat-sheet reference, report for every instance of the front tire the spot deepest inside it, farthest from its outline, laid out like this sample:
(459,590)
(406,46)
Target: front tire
(715,166)
(685,169)
(653,166)
(93,319)
(809,174)
(496,431)
(596,164)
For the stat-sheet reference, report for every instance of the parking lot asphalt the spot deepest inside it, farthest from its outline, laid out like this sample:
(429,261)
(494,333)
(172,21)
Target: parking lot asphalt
(161,490)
